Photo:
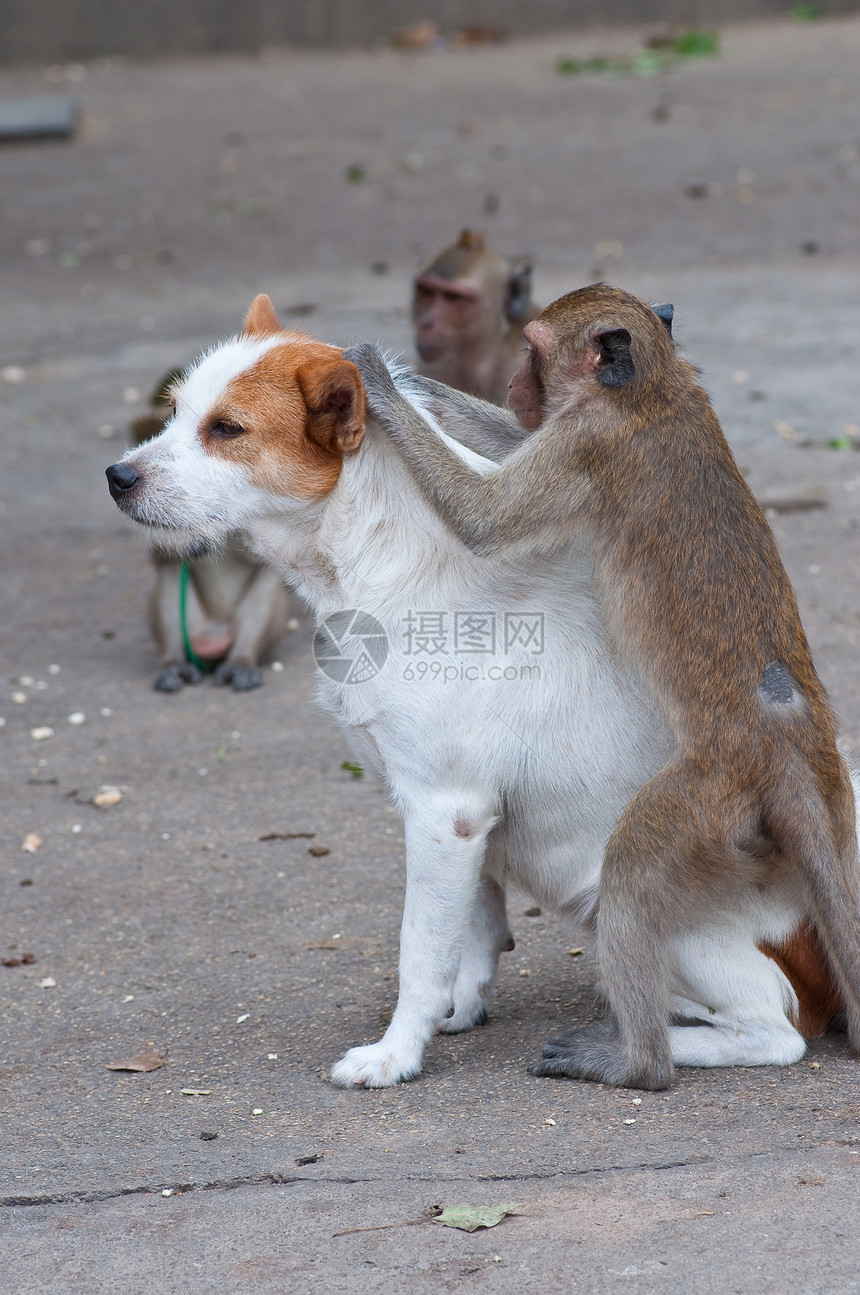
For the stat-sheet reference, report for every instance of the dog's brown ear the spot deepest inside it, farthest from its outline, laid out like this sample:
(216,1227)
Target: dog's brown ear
(334,395)
(261,318)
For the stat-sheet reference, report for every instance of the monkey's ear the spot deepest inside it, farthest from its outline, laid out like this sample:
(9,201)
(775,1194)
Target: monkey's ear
(666,312)
(334,397)
(615,367)
(518,291)
(261,318)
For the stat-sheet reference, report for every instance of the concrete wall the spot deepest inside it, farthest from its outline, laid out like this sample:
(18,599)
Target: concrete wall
(34,31)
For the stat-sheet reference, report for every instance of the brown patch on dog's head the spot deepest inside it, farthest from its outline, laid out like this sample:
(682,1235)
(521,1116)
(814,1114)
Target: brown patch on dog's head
(289,419)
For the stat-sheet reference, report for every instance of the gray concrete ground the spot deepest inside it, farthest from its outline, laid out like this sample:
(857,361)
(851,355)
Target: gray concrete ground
(731,186)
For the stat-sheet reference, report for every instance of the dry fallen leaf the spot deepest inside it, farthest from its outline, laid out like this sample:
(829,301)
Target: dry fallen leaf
(468,1218)
(21,960)
(142,1063)
(31,843)
(787,432)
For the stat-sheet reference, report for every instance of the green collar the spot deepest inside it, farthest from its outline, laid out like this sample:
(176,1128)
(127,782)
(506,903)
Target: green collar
(190,655)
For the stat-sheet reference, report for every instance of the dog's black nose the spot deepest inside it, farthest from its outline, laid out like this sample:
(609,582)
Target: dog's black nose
(121,478)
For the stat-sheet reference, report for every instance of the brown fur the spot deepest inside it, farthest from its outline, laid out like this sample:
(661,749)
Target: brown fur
(803,959)
(302,407)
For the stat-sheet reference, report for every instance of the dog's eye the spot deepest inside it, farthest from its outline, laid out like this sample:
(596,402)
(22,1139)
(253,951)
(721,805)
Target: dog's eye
(226,431)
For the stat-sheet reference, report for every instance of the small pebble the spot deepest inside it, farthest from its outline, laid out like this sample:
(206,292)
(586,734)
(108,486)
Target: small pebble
(107,796)
(41,734)
(48,983)
(53,669)
(19,698)
(78,717)
(257,1111)
(273,1056)
(277,666)
(629,1121)
(31,843)
(243,1017)
(13,374)
(106,712)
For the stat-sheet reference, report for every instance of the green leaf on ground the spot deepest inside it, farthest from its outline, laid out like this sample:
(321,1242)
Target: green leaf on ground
(355,769)
(468,1218)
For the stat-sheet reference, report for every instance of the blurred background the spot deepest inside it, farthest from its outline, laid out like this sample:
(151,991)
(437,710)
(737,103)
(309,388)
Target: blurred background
(162,163)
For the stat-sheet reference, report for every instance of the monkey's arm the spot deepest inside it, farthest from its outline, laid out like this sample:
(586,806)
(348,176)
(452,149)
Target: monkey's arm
(531,497)
(481,426)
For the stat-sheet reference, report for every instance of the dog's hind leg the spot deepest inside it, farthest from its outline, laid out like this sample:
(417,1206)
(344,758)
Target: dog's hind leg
(488,935)
(445,841)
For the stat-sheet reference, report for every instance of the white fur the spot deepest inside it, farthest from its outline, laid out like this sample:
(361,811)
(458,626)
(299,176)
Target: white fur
(497,779)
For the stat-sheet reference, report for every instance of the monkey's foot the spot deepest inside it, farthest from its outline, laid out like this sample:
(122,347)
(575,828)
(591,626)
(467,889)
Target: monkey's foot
(173,676)
(597,1052)
(375,1066)
(242,676)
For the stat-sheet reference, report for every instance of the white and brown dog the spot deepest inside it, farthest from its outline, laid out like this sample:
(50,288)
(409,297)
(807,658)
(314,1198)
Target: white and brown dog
(509,737)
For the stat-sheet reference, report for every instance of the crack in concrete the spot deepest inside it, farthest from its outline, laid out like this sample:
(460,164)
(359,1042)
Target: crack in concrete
(275,1179)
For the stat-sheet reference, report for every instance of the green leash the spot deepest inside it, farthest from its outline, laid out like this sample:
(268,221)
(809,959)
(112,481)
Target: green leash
(190,655)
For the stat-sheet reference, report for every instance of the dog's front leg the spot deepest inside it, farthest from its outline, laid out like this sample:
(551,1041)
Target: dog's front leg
(487,935)
(445,843)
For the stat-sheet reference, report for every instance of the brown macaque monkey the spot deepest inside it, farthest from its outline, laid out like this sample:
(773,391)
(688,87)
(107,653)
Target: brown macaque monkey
(626,453)
(469,307)
(227,608)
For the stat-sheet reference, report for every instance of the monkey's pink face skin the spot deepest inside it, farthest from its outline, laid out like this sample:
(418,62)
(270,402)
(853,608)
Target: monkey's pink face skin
(447,312)
(525,389)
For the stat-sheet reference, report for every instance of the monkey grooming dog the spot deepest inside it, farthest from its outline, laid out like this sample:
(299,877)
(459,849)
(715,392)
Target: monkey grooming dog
(626,456)
(235,607)
(469,306)
(515,775)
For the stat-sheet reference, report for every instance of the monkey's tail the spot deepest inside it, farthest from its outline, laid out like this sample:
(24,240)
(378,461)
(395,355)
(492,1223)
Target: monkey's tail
(828,864)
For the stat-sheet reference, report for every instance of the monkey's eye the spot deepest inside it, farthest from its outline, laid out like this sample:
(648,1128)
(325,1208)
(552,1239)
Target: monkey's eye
(226,431)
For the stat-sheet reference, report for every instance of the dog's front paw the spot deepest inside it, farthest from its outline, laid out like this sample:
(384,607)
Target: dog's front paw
(240,674)
(172,677)
(375,1066)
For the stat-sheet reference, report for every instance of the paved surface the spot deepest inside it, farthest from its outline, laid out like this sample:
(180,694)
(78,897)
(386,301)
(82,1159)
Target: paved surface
(164,920)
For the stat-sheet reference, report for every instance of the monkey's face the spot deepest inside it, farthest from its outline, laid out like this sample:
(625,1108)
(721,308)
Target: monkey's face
(527,388)
(450,316)
(259,426)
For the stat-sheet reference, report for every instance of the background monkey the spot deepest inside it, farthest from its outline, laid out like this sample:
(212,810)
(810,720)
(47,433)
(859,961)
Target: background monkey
(469,306)
(626,451)
(235,606)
